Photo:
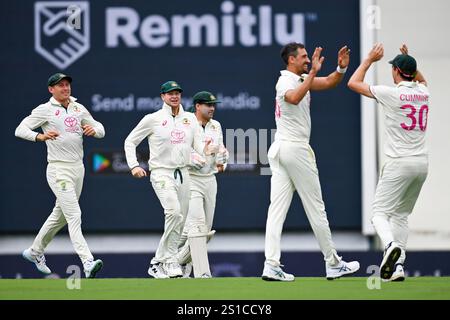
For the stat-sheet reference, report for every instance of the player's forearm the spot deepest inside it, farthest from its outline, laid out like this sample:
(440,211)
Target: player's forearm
(359,74)
(130,154)
(419,77)
(24,132)
(356,82)
(99,130)
(296,95)
(334,79)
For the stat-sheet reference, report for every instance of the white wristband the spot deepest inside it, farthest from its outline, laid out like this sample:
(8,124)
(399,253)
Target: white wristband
(341,70)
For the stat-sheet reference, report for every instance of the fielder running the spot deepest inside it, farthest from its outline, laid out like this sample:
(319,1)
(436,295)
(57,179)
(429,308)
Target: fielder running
(203,189)
(406,109)
(64,121)
(171,134)
(293,163)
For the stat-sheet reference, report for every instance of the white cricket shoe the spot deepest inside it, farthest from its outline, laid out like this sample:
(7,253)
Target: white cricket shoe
(206,276)
(399,273)
(341,269)
(272,273)
(392,253)
(173,269)
(156,271)
(92,267)
(37,259)
(187,270)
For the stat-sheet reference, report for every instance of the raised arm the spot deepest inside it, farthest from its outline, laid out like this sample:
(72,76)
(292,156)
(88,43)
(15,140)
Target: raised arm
(356,82)
(294,96)
(419,76)
(333,79)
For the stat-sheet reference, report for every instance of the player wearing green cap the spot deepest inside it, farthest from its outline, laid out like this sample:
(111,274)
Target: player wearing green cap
(406,107)
(171,133)
(63,121)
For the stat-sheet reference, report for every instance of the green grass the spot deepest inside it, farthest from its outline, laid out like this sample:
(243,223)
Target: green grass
(225,289)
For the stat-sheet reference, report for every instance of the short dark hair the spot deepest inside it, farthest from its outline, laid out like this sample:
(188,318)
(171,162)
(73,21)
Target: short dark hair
(290,50)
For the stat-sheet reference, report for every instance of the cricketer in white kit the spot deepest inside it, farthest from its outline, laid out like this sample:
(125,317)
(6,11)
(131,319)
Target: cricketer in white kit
(406,108)
(293,163)
(64,121)
(171,133)
(203,183)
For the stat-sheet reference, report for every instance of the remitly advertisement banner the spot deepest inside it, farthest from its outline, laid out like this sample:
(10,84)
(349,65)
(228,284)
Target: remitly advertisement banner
(120,52)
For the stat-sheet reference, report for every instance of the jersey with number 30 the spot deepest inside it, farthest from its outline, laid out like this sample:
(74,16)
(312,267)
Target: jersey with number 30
(406,109)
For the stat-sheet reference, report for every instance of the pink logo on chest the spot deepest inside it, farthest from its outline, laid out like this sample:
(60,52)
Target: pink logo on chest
(57,113)
(177,136)
(70,122)
(164,123)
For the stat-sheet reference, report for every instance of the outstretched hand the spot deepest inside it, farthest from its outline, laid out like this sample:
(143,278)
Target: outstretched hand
(344,57)
(376,53)
(316,60)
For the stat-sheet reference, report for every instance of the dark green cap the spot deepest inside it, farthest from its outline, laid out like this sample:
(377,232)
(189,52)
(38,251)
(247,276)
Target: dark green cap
(204,97)
(57,77)
(170,86)
(406,64)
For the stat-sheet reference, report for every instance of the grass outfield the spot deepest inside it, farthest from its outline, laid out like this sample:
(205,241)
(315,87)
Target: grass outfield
(225,289)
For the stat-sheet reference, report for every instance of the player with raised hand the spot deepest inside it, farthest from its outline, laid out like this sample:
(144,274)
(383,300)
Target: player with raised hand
(406,107)
(292,159)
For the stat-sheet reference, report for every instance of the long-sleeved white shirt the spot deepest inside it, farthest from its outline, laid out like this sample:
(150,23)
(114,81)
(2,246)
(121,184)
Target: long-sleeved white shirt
(170,139)
(68,146)
(212,131)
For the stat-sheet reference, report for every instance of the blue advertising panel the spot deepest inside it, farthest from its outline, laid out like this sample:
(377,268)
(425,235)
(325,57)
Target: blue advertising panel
(120,52)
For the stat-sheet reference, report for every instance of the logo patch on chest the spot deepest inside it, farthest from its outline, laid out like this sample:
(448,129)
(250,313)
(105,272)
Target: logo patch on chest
(71,124)
(177,136)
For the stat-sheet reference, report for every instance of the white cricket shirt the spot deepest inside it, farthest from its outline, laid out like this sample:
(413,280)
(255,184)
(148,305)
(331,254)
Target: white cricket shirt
(406,109)
(68,146)
(170,139)
(293,121)
(213,131)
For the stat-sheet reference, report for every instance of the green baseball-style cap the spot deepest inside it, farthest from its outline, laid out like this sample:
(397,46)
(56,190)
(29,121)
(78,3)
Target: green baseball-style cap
(204,97)
(170,86)
(406,64)
(57,77)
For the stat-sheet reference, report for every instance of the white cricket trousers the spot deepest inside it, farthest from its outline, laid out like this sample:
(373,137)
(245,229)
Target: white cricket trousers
(172,187)
(397,191)
(202,203)
(66,181)
(293,166)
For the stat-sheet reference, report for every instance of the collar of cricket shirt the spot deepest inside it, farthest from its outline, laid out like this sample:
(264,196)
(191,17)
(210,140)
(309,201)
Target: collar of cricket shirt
(409,84)
(206,124)
(168,109)
(56,103)
(290,74)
